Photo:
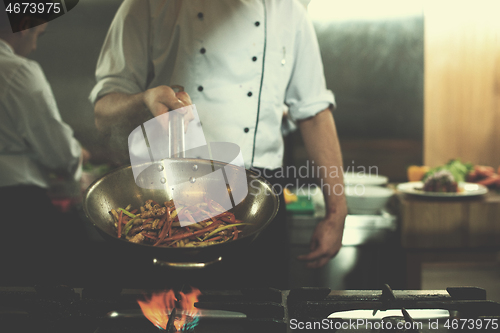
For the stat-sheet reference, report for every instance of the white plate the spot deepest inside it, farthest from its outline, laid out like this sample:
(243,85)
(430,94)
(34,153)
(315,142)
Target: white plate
(355,178)
(466,190)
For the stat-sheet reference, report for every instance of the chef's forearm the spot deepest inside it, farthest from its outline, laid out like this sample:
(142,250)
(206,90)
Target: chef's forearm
(322,144)
(119,110)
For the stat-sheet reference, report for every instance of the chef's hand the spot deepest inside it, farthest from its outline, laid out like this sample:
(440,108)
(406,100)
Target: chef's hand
(326,240)
(162,99)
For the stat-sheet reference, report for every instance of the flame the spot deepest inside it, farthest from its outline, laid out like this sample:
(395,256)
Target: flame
(159,306)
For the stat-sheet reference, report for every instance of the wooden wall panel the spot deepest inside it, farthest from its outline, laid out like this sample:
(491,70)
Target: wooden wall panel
(462,82)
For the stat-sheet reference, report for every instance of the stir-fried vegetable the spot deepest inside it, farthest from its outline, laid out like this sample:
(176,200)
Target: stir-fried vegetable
(160,225)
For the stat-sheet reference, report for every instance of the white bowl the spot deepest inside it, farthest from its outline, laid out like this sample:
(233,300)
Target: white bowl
(354,178)
(366,200)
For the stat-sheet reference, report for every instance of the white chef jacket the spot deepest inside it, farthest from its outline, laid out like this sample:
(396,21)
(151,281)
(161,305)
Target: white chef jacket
(33,138)
(239,60)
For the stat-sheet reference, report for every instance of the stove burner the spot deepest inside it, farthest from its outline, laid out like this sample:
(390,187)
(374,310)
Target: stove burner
(261,310)
(189,325)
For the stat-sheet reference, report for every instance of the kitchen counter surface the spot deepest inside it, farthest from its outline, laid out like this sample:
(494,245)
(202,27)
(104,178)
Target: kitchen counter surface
(469,222)
(447,230)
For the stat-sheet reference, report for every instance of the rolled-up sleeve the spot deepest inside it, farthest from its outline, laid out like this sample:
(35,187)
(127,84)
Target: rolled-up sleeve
(123,64)
(307,94)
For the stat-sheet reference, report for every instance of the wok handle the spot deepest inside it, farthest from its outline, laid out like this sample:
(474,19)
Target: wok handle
(185,265)
(176,131)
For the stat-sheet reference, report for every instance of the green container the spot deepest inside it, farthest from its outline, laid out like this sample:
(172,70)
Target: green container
(303,206)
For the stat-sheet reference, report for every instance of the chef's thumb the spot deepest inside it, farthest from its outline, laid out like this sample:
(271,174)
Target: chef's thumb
(184,97)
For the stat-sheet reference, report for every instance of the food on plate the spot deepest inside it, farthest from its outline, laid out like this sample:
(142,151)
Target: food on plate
(484,175)
(458,170)
(159,225)
(440,181)
(416,172)
(445,178)
(492,181)
(480,172)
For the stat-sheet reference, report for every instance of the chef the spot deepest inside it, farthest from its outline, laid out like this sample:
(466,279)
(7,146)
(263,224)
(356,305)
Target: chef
(34,141)
(239,62)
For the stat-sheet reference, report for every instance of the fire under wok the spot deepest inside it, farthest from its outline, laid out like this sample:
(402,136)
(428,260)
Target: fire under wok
(193,180)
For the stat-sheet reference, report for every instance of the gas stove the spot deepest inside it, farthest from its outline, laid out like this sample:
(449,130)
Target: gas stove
(109,310)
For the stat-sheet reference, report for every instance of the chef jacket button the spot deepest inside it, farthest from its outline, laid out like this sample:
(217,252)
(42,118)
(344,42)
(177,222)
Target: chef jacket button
(200,88)
(254,58)
(200,15)
(257,23)
(202,51)
(246,129)
(249,94)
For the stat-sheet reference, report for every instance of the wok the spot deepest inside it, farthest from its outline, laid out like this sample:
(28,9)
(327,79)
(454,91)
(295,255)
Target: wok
(119,189)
